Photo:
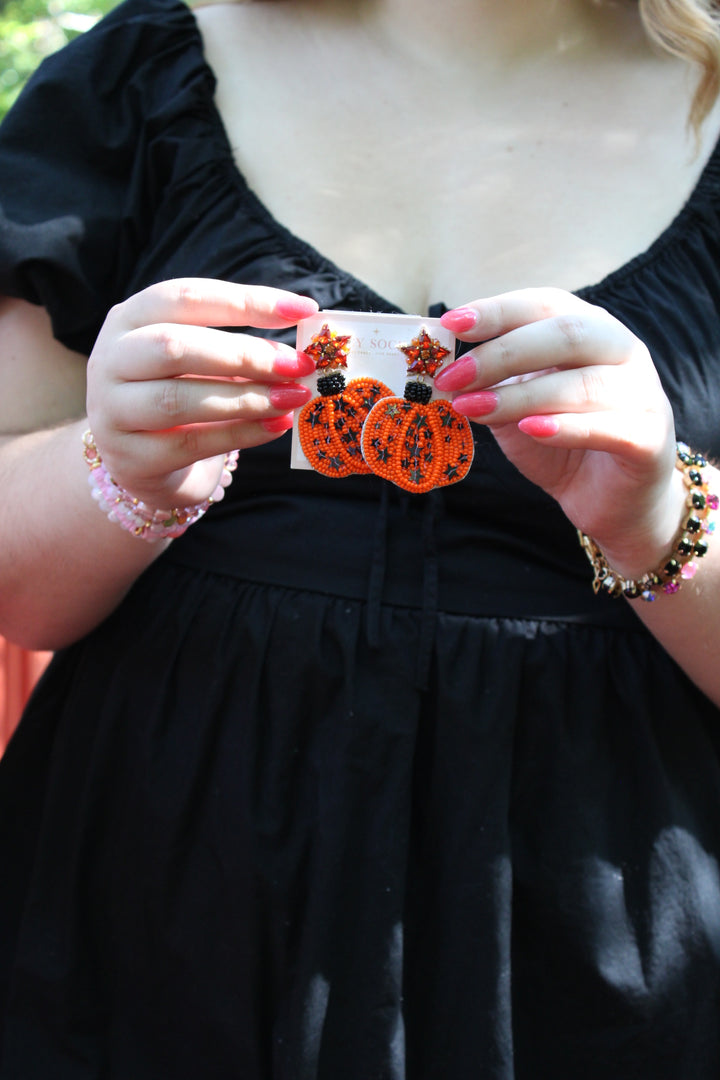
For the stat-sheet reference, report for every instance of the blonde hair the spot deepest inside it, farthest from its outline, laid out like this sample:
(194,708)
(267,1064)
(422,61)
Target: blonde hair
(689,29)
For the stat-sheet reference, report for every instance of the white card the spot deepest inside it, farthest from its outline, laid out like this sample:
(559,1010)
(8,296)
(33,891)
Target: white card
(373,351)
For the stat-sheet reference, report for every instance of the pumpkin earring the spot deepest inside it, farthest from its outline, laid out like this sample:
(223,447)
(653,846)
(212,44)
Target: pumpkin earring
(330,426)
(418,443)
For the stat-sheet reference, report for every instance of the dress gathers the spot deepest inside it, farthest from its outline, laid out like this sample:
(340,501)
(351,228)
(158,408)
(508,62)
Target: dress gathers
(354,784)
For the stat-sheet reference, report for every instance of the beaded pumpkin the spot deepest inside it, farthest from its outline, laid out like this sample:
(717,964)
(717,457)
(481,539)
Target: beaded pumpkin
(330,426)
(417,443)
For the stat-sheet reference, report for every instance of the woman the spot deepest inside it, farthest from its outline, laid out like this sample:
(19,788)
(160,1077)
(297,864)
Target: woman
(344,782)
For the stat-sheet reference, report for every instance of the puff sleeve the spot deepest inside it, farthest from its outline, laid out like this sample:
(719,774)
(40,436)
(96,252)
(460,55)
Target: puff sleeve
(78,175)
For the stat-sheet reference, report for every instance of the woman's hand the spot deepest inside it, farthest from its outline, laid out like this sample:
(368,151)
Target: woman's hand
(168,396)
(574,401)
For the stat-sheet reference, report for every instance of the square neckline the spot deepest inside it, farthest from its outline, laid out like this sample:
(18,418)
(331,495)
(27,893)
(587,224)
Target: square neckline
(706,185)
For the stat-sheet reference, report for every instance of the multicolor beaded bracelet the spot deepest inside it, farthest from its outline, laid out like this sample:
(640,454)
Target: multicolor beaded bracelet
(135,516)
(691,542)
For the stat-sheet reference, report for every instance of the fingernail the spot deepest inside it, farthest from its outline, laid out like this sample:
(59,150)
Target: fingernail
(480,404)
(294,365)
(460,320)
(288,396)
(294,308)
(540,427)
(457,375)
(278,423)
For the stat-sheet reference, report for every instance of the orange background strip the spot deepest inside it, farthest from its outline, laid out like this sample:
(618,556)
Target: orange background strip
(19,671)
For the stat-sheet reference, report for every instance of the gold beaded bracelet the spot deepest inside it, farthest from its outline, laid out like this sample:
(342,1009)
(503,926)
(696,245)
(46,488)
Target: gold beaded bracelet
(690,544)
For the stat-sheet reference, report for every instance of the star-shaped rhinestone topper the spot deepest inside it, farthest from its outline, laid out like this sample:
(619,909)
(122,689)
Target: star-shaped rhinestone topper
(329,349)
(425,354)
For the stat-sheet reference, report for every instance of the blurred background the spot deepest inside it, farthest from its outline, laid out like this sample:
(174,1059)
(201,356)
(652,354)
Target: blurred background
(32,29)
(29,31)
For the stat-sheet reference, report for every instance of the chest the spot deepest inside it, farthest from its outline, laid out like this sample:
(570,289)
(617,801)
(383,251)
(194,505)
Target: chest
(437,186)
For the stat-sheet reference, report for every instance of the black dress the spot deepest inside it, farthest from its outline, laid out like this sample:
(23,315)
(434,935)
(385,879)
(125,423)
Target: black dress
(354,785)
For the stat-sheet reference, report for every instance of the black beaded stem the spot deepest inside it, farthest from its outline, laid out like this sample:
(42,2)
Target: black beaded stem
(418,392)
(331,384)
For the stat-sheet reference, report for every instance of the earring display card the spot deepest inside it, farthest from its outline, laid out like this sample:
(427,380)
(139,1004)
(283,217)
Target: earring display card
(361,346)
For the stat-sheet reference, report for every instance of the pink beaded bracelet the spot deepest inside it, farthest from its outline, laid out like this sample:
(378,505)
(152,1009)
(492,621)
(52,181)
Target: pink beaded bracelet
(135,516)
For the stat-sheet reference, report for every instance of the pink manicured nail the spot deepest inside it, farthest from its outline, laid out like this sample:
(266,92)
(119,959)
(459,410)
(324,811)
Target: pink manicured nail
(457,375)
(460,320)
(540,427)
(294,308)
(480,404)
(288,395)
(278,423)
(293,365)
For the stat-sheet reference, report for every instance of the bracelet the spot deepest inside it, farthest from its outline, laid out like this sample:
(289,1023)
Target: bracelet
(135,516)
(691,542)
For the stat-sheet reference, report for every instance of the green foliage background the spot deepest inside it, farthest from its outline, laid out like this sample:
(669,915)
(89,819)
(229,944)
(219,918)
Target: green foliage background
(32,29)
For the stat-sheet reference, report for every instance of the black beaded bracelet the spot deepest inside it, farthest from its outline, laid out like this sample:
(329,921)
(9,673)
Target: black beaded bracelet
(691,542)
